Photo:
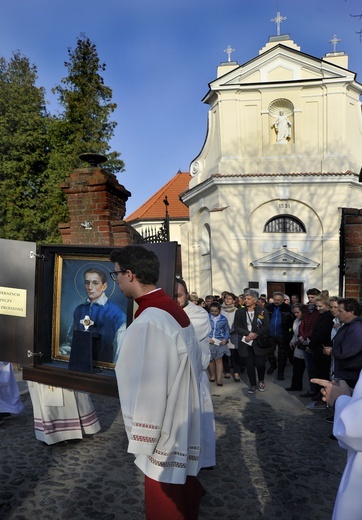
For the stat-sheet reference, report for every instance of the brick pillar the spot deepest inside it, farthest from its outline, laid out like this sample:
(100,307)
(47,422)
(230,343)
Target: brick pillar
(96,204)
(352,231)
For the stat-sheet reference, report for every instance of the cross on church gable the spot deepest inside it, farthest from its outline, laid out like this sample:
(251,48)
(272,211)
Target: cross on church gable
(229,50)
(278,20)
(334,42)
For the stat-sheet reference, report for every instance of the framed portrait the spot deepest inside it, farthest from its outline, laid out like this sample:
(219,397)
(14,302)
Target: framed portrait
(89,312)
(81,315)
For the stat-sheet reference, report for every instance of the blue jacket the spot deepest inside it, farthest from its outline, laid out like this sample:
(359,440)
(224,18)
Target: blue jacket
(222,329)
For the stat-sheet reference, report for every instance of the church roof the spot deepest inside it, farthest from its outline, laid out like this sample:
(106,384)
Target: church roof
(154,208)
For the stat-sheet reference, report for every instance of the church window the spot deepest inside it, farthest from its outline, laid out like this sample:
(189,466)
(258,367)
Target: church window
(284,224)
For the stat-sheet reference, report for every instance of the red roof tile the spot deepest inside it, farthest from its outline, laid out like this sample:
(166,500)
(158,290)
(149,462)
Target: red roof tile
(154,208)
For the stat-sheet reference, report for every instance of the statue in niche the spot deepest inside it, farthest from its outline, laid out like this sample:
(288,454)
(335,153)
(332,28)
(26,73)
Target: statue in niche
(283,128)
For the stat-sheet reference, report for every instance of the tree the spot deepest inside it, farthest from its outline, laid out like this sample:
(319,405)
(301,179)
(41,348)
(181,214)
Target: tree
(38,151)
(24,152)
(84,126)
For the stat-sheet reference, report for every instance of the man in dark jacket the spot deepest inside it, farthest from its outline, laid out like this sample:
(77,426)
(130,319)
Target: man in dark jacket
(281,332)
(347,343)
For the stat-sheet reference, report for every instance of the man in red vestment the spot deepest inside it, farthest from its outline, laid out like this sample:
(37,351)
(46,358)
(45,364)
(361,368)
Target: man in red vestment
(158,373)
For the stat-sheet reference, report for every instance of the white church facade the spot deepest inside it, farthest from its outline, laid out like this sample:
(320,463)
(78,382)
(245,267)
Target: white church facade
(282,157)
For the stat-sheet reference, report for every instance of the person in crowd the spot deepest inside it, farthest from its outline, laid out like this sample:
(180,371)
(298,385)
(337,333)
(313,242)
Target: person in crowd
(208,301)
(201,323)
(193,297)
(321,338)
(299,310)
(347,429)
(158,373)
(347,343)
(10,402)
(294,299)
(219,336)
(286,299)
(107,319)
(305,331)
(252,324)
(228,310)
(333,306)
(201,303)
(281,332)
(241,300)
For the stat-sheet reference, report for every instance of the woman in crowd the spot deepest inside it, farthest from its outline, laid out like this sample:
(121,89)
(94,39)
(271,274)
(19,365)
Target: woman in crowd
(298,310)
(218,339)
(228,310)
(321,338)
(252,324)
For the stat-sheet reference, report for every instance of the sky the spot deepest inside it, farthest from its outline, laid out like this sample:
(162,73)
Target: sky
(160,56)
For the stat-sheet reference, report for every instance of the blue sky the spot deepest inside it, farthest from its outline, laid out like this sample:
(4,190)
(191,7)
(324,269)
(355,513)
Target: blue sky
(160,56)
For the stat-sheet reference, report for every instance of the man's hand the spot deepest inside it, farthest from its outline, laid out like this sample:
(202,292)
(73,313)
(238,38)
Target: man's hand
(332,390)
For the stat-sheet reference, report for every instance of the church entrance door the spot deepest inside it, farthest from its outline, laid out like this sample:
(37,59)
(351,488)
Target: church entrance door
(288,288)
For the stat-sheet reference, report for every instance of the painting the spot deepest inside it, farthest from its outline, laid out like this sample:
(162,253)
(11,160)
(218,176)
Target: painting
(89,313)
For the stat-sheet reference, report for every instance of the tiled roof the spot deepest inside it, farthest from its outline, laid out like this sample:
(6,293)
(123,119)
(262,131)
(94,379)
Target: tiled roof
(154,208)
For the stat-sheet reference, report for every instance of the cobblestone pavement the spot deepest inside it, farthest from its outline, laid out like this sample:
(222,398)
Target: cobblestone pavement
(275,460)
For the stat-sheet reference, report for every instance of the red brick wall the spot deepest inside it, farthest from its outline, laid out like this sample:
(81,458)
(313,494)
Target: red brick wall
(351,233)
(95,196)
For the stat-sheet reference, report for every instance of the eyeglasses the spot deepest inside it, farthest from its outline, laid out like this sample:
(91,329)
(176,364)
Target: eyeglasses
(114,274)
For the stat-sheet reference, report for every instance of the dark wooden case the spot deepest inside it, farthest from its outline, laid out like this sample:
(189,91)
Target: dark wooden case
(31,338)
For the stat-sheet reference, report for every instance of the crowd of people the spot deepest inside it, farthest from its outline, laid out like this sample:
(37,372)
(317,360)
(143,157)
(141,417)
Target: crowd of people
(176,347)
(261,335)
(322,337)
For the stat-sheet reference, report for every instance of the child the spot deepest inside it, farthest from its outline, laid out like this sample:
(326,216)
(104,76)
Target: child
(218,339)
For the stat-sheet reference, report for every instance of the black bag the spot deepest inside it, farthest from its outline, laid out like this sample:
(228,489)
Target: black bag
(265,342)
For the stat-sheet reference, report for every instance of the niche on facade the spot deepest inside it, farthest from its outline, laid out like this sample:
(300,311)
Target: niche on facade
(281,118)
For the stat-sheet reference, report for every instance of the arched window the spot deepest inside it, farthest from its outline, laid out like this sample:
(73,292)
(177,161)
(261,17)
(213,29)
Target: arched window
(284,224)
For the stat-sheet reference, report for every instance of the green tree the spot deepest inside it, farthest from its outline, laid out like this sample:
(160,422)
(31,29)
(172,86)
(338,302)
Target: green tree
(84,125)
(24,152)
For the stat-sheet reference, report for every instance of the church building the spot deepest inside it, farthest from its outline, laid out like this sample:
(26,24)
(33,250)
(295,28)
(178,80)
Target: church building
(281,160)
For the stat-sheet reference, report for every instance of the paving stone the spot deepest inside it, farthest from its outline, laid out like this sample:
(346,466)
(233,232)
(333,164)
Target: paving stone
(275,461)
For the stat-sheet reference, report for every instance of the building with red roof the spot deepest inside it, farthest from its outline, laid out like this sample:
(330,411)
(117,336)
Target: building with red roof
(148,218)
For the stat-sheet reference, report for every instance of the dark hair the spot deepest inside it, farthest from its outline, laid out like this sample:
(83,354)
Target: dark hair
(142,262)
(182,282)
(313,291)
(300,306)
(215,304)
(99,272)
(350,305)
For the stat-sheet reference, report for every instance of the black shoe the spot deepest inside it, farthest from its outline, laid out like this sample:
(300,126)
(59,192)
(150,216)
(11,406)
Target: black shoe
(309,394)
(280,376)
(271,369)
(291,389)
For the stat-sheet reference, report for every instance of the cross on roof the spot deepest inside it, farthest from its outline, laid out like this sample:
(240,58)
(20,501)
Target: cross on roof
(229,50)
(334,42)
(278,20)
